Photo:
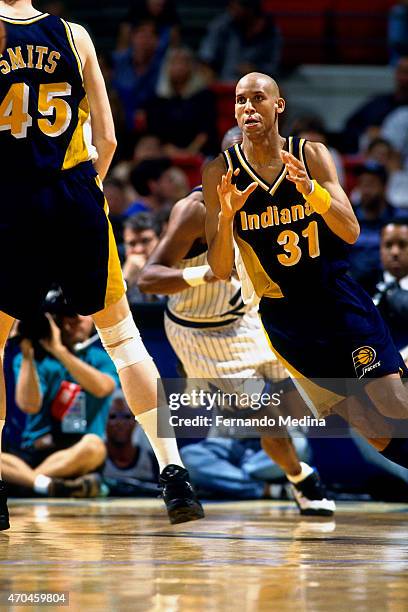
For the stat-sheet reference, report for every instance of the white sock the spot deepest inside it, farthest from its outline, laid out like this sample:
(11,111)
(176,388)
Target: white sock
(306,471)
(41,484)
(2,421)
(165,449)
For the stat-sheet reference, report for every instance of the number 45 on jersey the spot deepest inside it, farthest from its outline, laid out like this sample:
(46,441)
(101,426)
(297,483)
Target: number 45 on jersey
(14,115)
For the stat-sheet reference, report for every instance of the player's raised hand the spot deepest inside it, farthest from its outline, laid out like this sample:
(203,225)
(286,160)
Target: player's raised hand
(231,198)
(296,173)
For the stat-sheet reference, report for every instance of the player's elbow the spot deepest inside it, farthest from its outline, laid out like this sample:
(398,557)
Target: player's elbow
(352,234)
(106,142)
(221,274)
(110,142)
(145,286)
(145,282)
(219,270)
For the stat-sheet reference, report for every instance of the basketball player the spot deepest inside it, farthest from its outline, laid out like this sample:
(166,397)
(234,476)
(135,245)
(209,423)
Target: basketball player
(51,94)
(280,201)
(214,334)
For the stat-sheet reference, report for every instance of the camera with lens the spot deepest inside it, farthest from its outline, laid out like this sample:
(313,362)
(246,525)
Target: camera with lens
(37,327)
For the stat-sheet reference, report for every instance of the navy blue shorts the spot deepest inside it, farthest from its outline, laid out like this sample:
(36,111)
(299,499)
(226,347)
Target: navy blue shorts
(55,229)
(332,337)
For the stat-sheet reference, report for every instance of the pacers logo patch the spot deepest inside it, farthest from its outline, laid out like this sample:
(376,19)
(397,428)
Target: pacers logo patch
(363,359)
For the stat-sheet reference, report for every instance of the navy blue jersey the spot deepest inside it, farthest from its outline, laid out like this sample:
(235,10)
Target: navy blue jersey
(44,111)
(287,248)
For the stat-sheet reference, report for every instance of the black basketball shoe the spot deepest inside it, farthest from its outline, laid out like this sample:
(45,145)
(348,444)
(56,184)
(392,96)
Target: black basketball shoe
(179,496)
(4,515)
(310,497)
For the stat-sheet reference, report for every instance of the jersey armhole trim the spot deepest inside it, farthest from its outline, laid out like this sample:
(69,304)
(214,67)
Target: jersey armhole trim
(228,160)
(72,44)
(302,154)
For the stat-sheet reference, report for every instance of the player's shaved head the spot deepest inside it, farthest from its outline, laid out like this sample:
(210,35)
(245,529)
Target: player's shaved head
(258,80)
(257,105)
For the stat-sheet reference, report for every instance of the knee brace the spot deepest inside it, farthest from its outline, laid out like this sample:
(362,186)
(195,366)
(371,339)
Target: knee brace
(123,343)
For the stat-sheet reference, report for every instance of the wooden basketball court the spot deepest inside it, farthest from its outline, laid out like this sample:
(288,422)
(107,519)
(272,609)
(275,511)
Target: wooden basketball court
(123,555)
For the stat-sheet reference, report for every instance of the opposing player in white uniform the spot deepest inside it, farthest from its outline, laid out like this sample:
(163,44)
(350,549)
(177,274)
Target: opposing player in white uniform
(214,334)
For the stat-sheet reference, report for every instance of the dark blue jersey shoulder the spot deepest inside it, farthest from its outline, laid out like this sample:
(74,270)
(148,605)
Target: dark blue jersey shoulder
(279,234)
(43,104)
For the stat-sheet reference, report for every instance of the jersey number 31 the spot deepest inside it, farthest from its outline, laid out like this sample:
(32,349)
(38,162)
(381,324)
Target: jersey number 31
(14,114)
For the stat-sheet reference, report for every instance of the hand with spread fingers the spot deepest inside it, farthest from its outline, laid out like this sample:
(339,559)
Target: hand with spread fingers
(232,199)
(296,173)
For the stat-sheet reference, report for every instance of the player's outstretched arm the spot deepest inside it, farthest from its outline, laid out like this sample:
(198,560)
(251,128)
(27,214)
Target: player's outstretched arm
(186,225)
(336,210)
(222,200)
(103,129)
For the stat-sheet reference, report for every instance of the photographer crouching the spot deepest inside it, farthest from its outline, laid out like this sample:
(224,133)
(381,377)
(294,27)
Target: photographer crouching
(64,382)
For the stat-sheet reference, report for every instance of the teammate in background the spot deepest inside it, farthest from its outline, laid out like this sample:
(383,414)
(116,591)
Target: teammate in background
(51,94)
(280,201)
(214,334)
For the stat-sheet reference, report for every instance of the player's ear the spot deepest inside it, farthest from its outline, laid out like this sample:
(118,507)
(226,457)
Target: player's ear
(280,105)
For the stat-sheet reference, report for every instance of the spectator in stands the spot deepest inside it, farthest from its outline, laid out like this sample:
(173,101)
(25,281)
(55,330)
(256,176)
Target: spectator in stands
(116,196)
(311,127)
(147,146)
(395,130)
(141,235)
(373,112)
(137,68)
(242,39)
(159,185)
(398,30)
(162,12)
(130,466)
(235,469)
(392,291)
(65,393)
(381,151)
(182,113)
(373,212)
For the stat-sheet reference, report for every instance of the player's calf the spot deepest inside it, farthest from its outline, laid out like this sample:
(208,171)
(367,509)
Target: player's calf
(390,396)
(138,377)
